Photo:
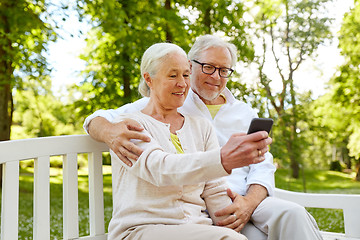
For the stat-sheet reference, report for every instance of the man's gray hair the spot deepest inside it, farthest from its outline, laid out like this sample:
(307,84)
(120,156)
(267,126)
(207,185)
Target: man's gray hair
(205,42)
(151,60)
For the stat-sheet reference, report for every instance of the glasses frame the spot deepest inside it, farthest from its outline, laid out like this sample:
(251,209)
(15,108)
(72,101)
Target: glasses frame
(215,68)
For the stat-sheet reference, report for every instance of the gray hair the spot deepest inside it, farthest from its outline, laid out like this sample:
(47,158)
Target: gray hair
(207,41)
(151,60)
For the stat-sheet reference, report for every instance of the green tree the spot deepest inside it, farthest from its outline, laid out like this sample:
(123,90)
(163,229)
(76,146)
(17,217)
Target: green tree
(328,132)
(38,113)
(123,30)
(23,38)
(289,32)
(346,84)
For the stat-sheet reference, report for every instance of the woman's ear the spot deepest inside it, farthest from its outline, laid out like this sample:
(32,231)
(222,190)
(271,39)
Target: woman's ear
(148,79)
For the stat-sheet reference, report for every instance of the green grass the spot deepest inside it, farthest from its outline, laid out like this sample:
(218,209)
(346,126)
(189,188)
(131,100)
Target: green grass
(56,208)
(316,181)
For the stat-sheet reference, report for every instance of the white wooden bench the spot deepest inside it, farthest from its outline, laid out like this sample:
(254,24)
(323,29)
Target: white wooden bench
(41,149)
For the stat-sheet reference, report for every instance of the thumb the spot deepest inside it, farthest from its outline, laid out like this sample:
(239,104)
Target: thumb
(230,194)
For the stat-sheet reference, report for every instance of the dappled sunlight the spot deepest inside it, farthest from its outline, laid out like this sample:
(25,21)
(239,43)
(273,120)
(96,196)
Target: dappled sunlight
(318,181)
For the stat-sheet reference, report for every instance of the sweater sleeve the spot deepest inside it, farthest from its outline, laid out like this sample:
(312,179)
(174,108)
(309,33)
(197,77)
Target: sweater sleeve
(163,169)
(216,198)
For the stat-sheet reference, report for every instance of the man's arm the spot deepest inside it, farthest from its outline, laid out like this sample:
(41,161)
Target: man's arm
(242,207)
(117,136)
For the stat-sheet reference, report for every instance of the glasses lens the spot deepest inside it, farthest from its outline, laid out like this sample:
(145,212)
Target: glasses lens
(225,72)
(208,69)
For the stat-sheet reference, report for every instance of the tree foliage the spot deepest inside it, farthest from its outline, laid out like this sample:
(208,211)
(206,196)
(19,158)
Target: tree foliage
(346,85)
(289,32)
(23,38)
(123,30)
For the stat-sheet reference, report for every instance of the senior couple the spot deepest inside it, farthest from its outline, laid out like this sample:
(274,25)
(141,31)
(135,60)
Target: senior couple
(182,165)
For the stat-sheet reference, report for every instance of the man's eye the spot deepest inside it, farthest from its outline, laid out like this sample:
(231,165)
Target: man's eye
(186,75)
(208,67)
(173,76)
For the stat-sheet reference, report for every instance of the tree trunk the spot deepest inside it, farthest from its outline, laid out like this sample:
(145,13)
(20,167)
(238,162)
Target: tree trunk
(169,37)
(126,76)
(6,75)
(357,178)
(207,20)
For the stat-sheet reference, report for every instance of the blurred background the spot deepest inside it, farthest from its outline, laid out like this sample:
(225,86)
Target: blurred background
(299,64)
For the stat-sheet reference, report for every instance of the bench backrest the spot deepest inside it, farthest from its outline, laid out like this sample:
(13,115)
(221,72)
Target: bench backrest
(41,149)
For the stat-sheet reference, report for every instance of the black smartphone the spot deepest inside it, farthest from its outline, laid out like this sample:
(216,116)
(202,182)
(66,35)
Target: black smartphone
(260,124)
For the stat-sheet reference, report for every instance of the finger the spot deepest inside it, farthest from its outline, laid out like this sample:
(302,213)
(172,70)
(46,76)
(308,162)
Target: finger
(123,158)
(227,221)
(230,194)
(225,211)
(133,151)
(131,124)
(257,136)
(137,127)
(239,228)
(130,155)
(263,143)
(264,150)
(258,159)
(138,135)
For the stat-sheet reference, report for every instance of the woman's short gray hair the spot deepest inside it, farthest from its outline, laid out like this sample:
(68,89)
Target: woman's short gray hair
(205,42)
(151,60)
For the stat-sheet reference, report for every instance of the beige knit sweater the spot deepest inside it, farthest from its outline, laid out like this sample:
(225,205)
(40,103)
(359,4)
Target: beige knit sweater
(163,187)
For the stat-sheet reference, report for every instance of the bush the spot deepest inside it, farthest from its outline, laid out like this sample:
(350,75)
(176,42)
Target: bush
(336,166)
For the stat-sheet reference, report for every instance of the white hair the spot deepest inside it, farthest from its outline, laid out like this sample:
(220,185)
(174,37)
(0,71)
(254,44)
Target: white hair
(151,60)
(207,41)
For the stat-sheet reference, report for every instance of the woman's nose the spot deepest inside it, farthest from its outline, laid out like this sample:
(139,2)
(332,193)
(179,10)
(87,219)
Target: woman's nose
(181,82)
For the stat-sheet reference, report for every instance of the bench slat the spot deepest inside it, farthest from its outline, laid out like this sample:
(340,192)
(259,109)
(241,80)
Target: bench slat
(48,146)
(70,197)
(10,201)
(42,198)
(349,203)
(96,197)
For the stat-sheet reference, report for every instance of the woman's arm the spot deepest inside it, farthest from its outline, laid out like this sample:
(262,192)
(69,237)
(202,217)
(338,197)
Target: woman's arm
(163,169)
(216,198)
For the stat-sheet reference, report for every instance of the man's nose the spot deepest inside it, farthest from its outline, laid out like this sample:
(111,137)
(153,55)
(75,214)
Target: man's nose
(216,74)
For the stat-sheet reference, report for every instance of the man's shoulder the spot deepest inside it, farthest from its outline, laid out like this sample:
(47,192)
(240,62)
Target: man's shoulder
(134,106)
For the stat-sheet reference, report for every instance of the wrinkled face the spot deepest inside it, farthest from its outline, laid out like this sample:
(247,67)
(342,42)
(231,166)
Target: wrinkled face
(209,87)
(170,85)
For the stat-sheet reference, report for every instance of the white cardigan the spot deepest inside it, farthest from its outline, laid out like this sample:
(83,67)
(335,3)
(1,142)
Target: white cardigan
(163,187)
(233,117)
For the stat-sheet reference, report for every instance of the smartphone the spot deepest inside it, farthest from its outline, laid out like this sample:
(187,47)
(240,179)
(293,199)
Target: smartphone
(260,124)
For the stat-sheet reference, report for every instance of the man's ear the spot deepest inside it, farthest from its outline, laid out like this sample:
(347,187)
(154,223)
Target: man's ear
(148,79)
(190,66)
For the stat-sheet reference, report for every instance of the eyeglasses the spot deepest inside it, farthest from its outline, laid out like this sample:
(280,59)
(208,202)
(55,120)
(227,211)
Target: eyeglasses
(210,69)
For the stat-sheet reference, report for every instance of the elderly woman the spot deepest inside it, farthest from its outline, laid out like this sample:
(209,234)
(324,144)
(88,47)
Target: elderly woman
(165,193)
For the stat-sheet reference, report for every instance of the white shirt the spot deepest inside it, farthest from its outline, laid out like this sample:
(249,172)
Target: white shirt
(233,117)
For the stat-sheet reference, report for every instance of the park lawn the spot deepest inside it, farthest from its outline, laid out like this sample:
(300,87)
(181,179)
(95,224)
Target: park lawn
(316,181)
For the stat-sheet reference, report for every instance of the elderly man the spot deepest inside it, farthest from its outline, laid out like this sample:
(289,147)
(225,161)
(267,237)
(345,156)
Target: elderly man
(258,215)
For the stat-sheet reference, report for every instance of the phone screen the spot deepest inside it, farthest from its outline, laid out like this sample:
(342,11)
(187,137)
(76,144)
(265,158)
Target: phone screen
(260,124)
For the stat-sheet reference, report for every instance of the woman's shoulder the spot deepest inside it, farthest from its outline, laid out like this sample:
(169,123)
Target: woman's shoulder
(133,115)
(198,120)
